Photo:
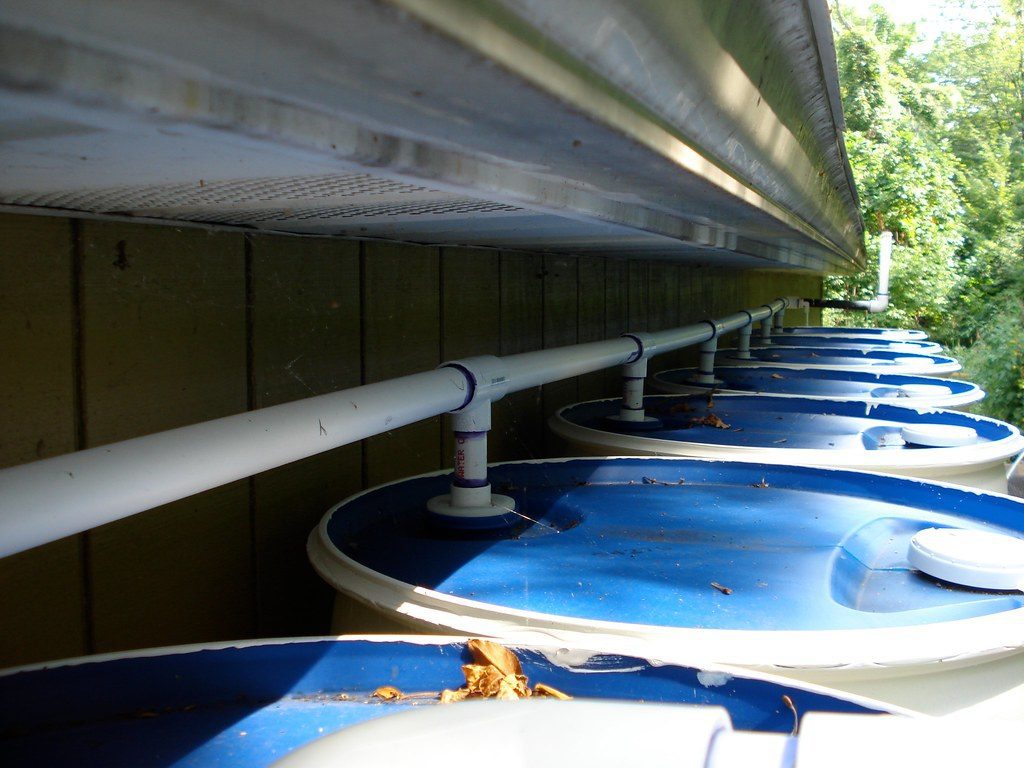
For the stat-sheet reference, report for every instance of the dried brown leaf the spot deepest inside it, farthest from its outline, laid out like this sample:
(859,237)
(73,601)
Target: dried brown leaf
(778,376)
(711,420)
(482,680)
(487,681)
(388,693)
(449,696)
(540,689)
(723,589)
(487,652)
(497,674)
(509,688)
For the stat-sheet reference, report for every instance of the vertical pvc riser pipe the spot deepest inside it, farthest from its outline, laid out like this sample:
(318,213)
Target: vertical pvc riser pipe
(766,331)
(469,486)
(778,319)
(633,375)
(469,503)
(706,368)
(743,347)
(632,414)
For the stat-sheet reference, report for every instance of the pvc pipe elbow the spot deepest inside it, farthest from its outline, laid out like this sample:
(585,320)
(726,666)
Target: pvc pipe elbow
(878,304)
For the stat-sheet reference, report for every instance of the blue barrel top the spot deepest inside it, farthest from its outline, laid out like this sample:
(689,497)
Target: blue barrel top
(251,705)
(898,362)
(685,543)
(853,342)
(889,333)
(820,382)
(786,422)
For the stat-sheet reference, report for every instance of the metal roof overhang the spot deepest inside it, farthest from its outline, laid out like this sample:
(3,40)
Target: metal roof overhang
(693,130)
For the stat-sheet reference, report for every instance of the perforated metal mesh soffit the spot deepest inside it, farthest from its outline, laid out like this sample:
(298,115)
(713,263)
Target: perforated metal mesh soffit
(363,196)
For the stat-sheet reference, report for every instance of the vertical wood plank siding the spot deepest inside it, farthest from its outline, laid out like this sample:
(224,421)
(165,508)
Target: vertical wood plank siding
(110,330)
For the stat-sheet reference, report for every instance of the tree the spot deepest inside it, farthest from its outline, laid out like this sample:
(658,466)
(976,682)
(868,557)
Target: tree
(936,143)
(905,171)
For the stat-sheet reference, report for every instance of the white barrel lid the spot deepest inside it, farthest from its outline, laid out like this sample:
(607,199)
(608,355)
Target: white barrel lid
(972,558)
(939,435)
(921,390)
(921,359)
(910,391)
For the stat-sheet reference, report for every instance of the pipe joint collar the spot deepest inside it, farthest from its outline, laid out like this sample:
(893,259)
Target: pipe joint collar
(644,346)
(486,377)
(717,329)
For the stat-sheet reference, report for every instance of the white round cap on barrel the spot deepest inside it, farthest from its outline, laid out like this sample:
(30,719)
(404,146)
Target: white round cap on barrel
(939,435)
(971,558)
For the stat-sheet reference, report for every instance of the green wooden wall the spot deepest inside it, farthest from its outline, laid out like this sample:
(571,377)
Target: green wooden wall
(110,330)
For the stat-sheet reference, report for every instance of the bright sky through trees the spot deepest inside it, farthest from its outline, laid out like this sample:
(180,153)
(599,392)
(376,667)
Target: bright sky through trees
(932,17)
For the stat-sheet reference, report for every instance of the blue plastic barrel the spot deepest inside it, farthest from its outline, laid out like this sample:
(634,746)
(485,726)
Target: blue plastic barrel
(250,704)
(820,383)
(800,571)
(854,342)
(839,358)
(927,443)
(898,334)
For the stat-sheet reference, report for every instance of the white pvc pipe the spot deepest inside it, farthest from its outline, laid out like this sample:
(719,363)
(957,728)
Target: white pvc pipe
(660,342)
(881,301)
(531,369)
(48,499)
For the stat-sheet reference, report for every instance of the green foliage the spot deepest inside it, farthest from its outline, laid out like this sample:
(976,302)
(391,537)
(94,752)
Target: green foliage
(936,143)
(995,359)
(860,82)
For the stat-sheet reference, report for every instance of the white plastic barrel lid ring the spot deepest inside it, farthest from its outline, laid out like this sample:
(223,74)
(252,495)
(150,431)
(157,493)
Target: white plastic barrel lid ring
(972,558)
(923,360)
(939,435)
